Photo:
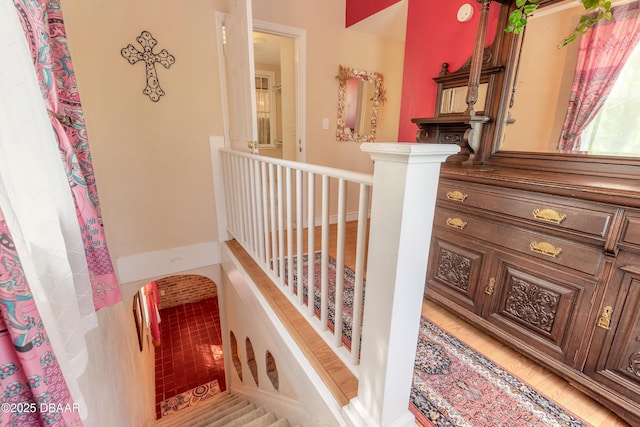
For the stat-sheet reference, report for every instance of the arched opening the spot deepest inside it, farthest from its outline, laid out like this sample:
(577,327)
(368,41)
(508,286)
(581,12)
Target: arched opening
(189,361)
(251,361)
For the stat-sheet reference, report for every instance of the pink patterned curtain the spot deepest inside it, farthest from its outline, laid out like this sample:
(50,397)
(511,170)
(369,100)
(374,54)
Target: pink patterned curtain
(45,32)
(602,53)
(32,388)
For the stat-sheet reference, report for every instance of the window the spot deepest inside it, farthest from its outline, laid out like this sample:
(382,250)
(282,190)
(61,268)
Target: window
(266,108)
(616,128)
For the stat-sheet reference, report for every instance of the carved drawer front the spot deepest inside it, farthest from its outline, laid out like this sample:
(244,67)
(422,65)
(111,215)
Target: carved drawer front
(540,307)
(615,358)
(631,233)
(558,251)
(454,270)
(582,217)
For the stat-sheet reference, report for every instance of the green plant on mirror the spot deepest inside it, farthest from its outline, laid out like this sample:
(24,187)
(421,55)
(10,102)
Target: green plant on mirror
(595,10)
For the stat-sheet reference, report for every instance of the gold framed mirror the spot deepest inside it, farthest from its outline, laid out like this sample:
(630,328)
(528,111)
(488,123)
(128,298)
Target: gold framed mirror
(360,96)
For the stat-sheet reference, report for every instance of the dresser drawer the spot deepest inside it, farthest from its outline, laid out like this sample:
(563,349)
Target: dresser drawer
(558,251)
(563,213)
(631,233)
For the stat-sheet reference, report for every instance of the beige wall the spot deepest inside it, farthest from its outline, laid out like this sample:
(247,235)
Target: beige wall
(151,159)
(119,384)
(329,44)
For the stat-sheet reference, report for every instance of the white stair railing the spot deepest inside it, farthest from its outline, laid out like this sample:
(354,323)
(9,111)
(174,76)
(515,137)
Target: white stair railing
(265,213)
(266,200)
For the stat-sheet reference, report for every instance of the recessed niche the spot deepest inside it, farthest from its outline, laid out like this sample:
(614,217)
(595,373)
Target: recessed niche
(251,361)
(234,354)
(272,370)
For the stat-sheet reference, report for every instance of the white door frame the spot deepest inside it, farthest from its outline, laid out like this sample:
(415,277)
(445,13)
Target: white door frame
(300,36)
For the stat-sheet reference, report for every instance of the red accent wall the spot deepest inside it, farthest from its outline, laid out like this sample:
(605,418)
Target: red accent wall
(434,36)
(357,10)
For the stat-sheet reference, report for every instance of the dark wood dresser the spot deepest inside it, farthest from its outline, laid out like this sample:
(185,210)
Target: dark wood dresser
(548,264)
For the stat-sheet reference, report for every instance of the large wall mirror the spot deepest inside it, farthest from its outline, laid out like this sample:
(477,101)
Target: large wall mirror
(547,109)
(360,96)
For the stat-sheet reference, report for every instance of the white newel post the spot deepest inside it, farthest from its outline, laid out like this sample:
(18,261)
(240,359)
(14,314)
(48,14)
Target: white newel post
(405,183)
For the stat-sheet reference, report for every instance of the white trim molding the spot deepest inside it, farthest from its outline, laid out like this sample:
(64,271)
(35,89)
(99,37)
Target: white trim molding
(149,265)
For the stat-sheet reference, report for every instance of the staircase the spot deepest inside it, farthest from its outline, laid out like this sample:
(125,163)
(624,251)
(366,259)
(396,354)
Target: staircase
(223,410)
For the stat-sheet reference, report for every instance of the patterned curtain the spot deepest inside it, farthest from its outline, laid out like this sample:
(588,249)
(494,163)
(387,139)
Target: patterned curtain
(33,391)
(44,28)
(602,53)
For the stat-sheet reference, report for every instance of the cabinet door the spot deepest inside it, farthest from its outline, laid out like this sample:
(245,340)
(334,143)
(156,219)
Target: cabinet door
(615,356)
(453,273)
(539,307)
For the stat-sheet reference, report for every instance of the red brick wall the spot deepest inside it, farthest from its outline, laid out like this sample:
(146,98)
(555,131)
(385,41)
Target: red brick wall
(185,288)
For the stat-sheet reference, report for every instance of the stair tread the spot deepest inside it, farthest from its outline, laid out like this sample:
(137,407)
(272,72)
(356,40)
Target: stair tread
(232,416)
(225,410)
(263,421)
(194,411)
(245,418)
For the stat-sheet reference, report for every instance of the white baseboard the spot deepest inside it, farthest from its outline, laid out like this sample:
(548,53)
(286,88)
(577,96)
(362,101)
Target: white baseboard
(151,265)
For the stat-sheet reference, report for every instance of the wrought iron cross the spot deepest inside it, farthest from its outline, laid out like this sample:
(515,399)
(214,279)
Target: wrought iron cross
(164,58)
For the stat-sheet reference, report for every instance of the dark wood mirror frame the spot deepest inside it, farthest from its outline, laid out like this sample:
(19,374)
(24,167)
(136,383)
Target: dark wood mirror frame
(497,66)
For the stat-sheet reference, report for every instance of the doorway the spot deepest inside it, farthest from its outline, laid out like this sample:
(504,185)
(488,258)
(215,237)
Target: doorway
(189,361)
(282,50)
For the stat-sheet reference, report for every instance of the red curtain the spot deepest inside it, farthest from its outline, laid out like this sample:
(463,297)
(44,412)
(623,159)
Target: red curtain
(602,53)
(153,303)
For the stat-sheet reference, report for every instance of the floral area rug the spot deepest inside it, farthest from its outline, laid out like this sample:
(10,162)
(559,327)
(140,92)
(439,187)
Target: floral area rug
(453,385)
(190,397)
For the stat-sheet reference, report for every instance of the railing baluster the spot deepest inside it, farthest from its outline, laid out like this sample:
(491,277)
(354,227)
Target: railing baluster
(324,261)
(258,210)
(275,257)
(289,204)
(299,235)
(252,208)
(265,214)
(280,196)
(227,173)
(342,219)
(358,286)
(311,238)
(239,210)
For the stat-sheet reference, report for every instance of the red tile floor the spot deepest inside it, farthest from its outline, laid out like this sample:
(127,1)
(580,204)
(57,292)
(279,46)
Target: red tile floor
(190,352)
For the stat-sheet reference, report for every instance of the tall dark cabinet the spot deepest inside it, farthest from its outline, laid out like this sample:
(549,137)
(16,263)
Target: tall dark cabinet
(539,249)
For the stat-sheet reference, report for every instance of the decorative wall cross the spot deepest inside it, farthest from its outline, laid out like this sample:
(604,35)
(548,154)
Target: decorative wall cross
(164,58)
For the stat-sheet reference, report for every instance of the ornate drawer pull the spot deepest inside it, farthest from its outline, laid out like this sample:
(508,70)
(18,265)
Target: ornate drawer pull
(604,321)
(491,287)
(549,215)
(456,223)
(456,196)
(545,248)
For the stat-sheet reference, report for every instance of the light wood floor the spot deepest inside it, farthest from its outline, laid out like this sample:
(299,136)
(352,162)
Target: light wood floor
(539,378)
(545,382)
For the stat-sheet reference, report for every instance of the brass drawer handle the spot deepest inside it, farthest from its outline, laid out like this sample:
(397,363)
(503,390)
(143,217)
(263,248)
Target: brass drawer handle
(456,223)
(456,196)
(604,321)
(549,215)
(491,287)
(545,248)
